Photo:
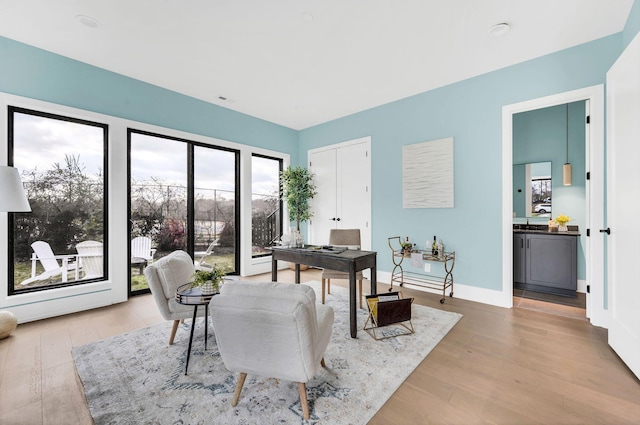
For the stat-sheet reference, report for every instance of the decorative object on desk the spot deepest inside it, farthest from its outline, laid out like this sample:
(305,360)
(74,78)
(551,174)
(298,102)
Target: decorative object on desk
(552,226)
(209,280)
(296,188)
(562,221)
(434,247)
(342,394)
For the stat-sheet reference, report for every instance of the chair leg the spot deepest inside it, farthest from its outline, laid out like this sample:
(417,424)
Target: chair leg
(360,288)
(174,329)
(302,389)
(328,286)
(322,363)
(236,394)
(323,285)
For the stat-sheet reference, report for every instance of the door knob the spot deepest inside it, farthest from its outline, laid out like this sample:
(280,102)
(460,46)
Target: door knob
(333,219)
(338,219)
(607,231)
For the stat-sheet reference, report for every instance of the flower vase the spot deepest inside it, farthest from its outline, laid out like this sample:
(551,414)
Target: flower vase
(562,228)
(207,288)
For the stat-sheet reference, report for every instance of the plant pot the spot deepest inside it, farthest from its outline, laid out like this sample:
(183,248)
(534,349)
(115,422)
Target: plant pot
(563,228)
(208,288)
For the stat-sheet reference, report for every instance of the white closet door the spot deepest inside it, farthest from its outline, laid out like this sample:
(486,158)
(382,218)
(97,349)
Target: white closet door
(343,178)
(323,165)
(354,176)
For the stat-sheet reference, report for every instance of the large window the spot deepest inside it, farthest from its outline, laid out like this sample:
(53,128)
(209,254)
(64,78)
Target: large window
(63,163)
(266,207)
(184,196)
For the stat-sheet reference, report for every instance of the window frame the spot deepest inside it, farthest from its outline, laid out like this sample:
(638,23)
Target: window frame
(11,110)
(190,168)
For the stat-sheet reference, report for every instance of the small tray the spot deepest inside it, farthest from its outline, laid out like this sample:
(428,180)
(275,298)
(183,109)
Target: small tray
(189,295)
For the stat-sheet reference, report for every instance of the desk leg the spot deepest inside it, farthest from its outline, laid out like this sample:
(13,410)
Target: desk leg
(274,270)
(193,325)
(374,281)
(352,302)
(297,273)
(206,323)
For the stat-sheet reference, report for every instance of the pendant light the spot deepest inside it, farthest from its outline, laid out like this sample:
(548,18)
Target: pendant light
(566,168)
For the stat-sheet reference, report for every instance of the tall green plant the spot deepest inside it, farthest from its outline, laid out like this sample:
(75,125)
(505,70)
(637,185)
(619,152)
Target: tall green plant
(297,188)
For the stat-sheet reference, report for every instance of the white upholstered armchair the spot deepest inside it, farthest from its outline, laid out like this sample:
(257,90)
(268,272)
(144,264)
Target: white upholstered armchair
(273,330)
(164,276)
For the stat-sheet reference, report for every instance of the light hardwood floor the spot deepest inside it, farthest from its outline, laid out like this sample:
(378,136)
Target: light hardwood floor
(496,366)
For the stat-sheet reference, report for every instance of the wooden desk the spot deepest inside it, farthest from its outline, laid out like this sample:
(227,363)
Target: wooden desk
(350,261)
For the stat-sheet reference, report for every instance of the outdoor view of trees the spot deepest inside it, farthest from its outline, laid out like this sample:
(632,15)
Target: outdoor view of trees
(62,240)
(62,167)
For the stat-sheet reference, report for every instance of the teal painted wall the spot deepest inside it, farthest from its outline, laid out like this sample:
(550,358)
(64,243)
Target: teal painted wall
(471,112)
(38,74)
(539,136)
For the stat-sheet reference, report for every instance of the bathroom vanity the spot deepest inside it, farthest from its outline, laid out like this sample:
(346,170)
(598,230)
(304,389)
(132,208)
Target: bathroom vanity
(545,261)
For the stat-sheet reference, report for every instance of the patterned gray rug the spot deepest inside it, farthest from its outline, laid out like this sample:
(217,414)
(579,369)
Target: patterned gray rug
(136,378)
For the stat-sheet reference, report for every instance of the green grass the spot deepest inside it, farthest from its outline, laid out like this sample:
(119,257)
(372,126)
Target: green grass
(139,282)
(22,271)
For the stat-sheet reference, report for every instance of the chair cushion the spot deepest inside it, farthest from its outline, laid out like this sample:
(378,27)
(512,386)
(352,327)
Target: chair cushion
(174,270)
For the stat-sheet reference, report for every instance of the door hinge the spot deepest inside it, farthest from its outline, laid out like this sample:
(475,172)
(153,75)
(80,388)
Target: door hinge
(588,289)
(588,232)
(588,119)
(588,175)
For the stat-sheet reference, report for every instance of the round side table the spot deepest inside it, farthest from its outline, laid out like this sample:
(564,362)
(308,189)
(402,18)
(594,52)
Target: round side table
(188,295)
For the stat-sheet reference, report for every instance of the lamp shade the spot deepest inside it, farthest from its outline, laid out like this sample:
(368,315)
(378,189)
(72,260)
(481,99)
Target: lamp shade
(12,196)
(566,174)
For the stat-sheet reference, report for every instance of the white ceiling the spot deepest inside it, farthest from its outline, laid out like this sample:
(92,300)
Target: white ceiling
(304,62)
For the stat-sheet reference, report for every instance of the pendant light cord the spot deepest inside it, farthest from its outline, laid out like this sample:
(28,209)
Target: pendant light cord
(567,131)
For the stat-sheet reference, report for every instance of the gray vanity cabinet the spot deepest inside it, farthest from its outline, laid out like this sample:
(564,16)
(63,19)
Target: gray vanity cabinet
(546,262)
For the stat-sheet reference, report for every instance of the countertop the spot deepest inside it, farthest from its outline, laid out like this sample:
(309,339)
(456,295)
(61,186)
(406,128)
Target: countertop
(543,229)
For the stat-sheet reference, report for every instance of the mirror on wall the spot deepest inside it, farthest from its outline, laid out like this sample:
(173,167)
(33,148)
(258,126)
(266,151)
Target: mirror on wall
(532,190)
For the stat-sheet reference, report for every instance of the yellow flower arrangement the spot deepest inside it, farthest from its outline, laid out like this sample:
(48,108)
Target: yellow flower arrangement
(562,220)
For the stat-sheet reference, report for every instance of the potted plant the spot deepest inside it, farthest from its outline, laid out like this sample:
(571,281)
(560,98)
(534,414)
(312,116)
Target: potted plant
(562,221)
(297,189)
(209,280)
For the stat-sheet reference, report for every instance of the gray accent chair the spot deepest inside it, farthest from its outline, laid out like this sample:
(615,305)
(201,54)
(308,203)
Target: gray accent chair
(347,238)
(164,276)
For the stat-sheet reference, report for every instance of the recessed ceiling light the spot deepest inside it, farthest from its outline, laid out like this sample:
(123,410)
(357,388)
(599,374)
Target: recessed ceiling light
(88,21)
(306,16)
(499,29)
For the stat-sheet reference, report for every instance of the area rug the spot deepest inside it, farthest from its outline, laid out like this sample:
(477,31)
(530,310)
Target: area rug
(136,378)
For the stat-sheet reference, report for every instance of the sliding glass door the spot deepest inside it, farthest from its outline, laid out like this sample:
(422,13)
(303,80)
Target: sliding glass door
(182,196)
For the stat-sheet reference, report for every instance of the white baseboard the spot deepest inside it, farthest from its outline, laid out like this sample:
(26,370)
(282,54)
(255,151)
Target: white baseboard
(465,292)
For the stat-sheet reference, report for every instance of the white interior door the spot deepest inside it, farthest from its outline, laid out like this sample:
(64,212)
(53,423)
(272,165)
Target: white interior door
(354,198)
(324,204)
(623,206)
(343,200)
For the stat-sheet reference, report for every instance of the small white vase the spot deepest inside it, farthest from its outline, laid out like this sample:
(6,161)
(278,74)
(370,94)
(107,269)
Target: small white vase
(562,228)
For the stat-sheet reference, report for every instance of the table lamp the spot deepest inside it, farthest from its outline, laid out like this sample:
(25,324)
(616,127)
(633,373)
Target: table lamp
(12,199)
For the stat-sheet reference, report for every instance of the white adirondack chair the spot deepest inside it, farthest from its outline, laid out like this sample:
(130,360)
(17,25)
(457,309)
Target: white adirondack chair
(42,252)
(90,258)
(141,248)
(201,264)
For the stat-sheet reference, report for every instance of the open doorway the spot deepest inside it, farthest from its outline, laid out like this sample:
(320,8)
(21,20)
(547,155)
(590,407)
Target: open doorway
(543,141)
(594,198)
